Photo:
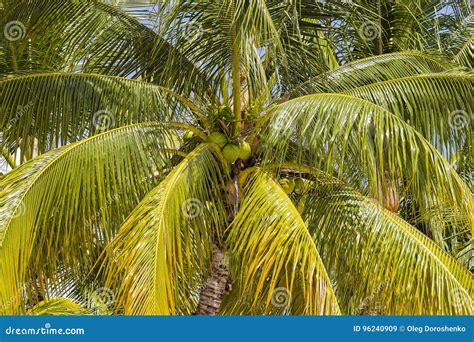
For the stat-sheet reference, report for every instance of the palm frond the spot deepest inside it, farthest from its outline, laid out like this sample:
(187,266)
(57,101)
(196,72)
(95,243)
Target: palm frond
(439,106)
(78,194)
(378,262)
(274,261)
(95,37)
(370,70)
(162,251)
(58,307)
(59,108)
(218,34)
(465,55)
(368,147)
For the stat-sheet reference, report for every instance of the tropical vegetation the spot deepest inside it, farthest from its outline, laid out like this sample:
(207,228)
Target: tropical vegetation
(287,157)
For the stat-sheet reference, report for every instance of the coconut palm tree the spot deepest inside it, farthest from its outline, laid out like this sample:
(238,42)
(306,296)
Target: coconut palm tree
(234,157)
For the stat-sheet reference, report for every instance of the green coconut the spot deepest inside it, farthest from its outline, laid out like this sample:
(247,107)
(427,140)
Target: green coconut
(231,152)
(288,185)
(299,185)
(245,150)
(217,138)
(188,135)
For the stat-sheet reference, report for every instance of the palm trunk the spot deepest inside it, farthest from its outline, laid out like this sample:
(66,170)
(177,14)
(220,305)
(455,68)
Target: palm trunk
(216,285)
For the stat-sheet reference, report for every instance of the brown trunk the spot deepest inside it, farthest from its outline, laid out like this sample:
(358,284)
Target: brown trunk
(216,285)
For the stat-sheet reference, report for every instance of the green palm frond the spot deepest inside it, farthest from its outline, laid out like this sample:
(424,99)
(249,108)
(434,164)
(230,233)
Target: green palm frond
(367,146)
(93,37)
(274,261)
(370,27)
(370,70)
(58,307)
(219,35)
(162,251)
(78,194)
(439,106)
(465,55)
(378,262)
(58,108)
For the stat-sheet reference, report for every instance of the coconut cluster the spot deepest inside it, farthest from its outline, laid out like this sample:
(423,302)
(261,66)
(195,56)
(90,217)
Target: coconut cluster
(290,185)
(231,151)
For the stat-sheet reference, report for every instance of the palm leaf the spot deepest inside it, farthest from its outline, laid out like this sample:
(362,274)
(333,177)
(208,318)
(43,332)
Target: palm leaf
(363,143)
(58,108)
(370,70)
(163,248)
(58,307)
(274,261)
(438,106)
(93,37)
(78,194)
(465,55)
(379,263)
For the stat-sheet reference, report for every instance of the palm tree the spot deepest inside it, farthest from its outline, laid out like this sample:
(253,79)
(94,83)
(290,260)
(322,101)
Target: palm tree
(235,157)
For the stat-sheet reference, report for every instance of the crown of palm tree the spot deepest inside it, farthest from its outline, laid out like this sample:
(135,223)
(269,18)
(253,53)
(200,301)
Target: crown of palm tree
(236,157)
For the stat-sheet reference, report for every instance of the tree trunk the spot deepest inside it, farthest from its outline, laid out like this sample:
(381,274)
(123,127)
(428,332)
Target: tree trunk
(216,285)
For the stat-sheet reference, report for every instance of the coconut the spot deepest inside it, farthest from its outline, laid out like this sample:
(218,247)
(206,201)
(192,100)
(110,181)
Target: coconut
(245,150)
(217,138)
(288,185)
(231,152)
(299,185)
(188,135)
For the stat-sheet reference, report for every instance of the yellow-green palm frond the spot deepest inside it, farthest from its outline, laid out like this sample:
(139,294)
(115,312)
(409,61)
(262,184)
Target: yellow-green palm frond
(162,251)
(216,33)
(370,70)
(58,307)
(465,55)
(378,262)
(368,147)
(58,108)
(95,37)
(59,209)
(274,260)
(439,106)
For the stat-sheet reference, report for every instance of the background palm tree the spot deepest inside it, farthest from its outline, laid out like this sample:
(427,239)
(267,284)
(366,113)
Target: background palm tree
(236,157)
